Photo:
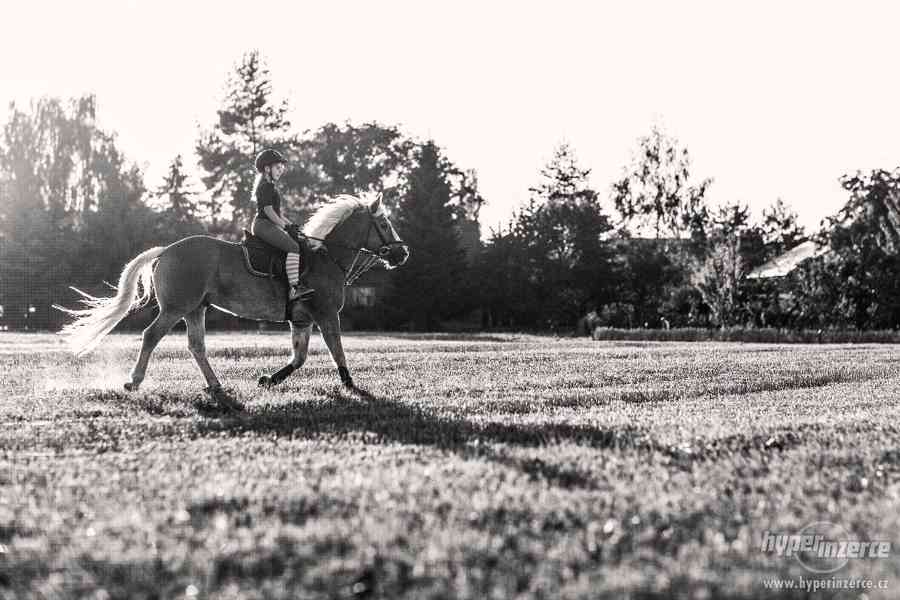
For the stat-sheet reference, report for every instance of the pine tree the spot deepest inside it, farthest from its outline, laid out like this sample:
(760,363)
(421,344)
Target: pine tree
(180,203)
(428,287)
(565,228)
(571,216)
(248,121)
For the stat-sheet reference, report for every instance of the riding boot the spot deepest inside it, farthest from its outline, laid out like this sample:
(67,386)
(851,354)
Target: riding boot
(300,291)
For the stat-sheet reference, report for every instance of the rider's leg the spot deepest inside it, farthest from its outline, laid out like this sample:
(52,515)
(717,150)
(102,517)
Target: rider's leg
(298,288)
(274,235)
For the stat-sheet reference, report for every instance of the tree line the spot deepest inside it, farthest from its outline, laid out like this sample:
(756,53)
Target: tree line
(74,210)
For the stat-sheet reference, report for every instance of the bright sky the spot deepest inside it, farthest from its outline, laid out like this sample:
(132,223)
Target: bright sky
(773,99)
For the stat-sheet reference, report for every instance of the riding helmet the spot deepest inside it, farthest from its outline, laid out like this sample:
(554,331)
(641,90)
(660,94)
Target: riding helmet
(267,158)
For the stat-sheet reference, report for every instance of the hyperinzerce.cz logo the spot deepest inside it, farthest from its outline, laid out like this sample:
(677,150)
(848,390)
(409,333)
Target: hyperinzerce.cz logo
(823,547)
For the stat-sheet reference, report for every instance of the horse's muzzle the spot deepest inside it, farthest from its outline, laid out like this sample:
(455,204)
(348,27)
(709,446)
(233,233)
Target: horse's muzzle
(398,255)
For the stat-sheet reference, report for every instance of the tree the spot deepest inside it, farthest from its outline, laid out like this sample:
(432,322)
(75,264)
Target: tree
(349,159)
(781,229)
(372,157)
(646,278)
(554,261)
(179,200)
(568,238)
(73,210)
(123,224)
(46,154)
(719,274)
(504,288)
(656,190)
(778,232)
(874,201)
(429,288)
(248,121)
(857,282)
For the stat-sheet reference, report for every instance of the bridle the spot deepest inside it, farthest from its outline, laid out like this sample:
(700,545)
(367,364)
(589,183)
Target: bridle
(364,259)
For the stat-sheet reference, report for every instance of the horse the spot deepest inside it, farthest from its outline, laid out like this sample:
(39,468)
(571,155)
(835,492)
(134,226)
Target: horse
(200,271)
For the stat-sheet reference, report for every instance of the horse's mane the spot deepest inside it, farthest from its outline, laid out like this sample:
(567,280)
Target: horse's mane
(332,214)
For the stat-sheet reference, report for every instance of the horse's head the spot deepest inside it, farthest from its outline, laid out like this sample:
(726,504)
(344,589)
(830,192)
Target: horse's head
(382,238)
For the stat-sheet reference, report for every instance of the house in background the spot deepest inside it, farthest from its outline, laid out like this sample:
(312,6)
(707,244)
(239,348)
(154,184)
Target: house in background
(782,265)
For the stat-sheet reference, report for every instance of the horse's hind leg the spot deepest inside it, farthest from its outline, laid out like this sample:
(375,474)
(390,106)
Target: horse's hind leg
(157,330)
(196,331)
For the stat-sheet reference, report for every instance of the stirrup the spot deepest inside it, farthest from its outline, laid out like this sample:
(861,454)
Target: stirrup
(299,292)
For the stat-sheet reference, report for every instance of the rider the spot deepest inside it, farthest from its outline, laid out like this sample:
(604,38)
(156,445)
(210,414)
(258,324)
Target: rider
(270,226)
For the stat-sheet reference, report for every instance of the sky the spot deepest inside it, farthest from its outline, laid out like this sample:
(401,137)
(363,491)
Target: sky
(772,99)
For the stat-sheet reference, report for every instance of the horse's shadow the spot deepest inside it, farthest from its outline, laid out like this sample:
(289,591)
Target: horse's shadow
(386,420)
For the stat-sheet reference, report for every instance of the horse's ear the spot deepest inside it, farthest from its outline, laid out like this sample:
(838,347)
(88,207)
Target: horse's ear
(376,204)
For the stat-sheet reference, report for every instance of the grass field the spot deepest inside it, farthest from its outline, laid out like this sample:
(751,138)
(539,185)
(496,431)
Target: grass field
(467,467)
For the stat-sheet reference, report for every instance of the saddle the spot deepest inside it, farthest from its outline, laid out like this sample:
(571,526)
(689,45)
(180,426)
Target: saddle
(263,259)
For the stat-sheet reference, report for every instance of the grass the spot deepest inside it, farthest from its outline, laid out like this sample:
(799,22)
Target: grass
(465,467)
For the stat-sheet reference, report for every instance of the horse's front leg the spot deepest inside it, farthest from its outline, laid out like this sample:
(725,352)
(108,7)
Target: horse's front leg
(331,333)
(300,346)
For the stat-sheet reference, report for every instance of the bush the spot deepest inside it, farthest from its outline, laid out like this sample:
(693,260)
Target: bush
(752,335)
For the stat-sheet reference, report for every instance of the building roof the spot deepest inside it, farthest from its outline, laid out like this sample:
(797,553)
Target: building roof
(780,266)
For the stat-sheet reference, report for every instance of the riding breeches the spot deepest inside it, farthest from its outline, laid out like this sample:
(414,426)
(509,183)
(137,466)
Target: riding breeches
(272,234)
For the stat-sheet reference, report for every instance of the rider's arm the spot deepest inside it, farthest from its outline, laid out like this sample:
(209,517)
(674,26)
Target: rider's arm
(273,216)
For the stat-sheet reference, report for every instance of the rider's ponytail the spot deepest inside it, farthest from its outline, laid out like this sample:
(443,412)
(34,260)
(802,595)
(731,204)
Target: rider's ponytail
(260,177)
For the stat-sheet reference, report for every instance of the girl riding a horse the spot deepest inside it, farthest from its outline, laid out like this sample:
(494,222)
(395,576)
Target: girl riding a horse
(198,272)
(271,227)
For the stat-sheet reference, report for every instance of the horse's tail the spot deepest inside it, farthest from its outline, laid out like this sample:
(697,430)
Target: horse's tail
(102,314)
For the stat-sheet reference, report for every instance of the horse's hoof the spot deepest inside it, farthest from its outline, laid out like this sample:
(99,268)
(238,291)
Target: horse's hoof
(344,374)
(131,387)
(265,382)
(224,399)
(230,404)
